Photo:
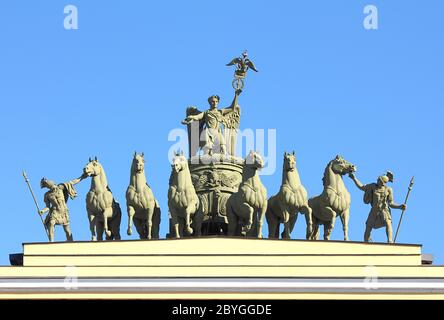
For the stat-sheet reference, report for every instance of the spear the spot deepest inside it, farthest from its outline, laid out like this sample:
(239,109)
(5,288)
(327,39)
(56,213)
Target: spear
(405,202)
(35,201)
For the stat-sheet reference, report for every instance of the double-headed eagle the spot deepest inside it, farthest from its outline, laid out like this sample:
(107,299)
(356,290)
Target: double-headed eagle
(242,65)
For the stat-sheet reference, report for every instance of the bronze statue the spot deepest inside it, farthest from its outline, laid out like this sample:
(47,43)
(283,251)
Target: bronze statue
(104,213)
(183,202)
(141,205)
(246,208)
(55,200)
(207,130)
(334,199)
(291,199)
(380,197)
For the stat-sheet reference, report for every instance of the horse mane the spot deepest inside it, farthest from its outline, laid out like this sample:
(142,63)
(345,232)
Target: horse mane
(133,162)
(171,181)
(103,178)
(188,172)
(132,172)
(326,173)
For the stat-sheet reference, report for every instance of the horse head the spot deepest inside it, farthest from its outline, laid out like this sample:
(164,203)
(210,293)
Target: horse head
(179,163)
(341,166)
(93,168)
(289,161)
(254,160)
(138,165)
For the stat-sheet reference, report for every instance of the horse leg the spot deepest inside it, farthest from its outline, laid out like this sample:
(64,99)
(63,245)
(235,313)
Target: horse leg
(272,221)
(313,204)
(115,222)
(92,226)
(260,221)
(99,229)
(306,210)
(181,223)
(328,218)
(284,214)
(232,220)
(292,220)
(244,212)
(139,224)
(108,212)
(175,222)
(188,211)
(247,213)
(131,212)
(149,222)
(197,222)
(345,216)
(315,230)
(286,232)
(291,223)
(156,221)
(328,227)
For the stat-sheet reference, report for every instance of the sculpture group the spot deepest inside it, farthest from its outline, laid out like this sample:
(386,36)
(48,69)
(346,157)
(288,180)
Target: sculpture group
(215,192)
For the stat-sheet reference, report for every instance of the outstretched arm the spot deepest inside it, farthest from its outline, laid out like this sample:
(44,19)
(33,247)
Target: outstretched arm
(393,204)
(233,105)
(358,183)
(192,118)
(75,181)
(68,187)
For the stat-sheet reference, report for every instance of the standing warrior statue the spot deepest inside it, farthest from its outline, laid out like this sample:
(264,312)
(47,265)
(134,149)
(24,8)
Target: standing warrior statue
(210,127)
(380,197)
(55,200)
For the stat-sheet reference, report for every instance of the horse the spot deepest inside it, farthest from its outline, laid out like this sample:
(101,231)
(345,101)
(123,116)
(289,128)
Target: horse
(104,212)
(291,199)
(334,199)
(246,208)
(183,202)
(141,205)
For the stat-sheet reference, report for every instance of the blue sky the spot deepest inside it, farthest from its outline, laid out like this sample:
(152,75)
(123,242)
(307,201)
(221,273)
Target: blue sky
(122,81)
